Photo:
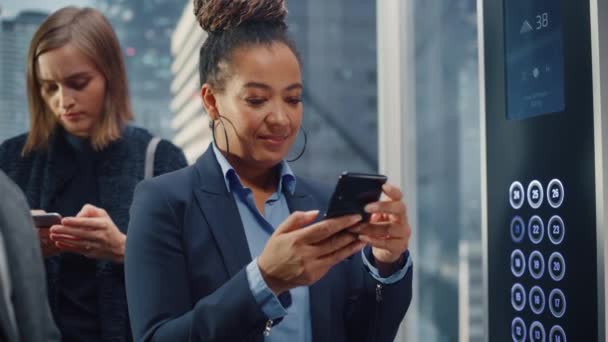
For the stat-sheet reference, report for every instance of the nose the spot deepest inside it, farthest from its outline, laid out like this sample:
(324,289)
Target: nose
(279,115)
(66,99)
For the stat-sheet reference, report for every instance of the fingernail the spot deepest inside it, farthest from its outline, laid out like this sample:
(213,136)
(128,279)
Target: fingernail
(370,208)
(312,212)
(356,218)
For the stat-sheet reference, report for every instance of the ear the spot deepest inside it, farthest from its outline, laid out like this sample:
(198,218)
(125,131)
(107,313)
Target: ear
(209,100)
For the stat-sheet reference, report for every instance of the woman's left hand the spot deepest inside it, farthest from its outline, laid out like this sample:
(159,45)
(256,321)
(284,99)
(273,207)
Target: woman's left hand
(91,233)
(388,231)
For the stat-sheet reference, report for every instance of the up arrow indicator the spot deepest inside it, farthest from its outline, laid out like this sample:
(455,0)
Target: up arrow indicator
(525,28)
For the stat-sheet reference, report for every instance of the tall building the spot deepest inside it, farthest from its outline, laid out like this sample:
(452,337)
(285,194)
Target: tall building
(15,36)
(144,29)
(337,43)
(190,122)
(470,292)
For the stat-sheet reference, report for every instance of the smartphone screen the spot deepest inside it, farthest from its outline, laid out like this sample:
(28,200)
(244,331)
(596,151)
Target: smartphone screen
(353,192)
(46,220)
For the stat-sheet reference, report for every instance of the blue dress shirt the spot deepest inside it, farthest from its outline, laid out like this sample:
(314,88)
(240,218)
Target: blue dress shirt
(295,326)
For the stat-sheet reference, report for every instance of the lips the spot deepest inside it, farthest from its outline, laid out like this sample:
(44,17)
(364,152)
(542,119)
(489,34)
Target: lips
(274,141)
(274,138)
(73,115)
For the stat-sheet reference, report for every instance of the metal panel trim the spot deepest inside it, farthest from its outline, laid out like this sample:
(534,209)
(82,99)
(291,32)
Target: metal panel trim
(599,51)
(483,162)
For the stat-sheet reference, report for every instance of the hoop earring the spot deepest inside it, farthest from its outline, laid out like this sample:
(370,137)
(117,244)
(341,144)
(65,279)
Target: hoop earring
(303,148)
(212,126)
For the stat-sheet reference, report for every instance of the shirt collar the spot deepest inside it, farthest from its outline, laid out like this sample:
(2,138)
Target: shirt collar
(287,178)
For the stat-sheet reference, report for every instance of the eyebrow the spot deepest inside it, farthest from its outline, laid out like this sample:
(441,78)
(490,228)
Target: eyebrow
(75,75)
(266,87)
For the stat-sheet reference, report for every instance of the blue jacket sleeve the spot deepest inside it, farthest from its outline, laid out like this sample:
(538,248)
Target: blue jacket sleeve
(160,300)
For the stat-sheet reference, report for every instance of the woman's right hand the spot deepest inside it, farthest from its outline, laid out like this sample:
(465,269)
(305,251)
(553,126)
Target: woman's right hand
(296,256)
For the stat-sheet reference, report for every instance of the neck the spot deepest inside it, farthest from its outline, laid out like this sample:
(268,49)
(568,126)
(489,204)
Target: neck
(255,177)
(79,143)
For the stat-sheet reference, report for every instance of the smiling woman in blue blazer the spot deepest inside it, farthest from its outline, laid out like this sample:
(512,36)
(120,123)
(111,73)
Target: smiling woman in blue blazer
(231,249)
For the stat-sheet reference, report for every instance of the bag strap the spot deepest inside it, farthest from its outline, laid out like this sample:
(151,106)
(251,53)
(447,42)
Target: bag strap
(150,152)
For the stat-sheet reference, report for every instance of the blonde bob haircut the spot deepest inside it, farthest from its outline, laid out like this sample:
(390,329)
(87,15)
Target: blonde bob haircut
(90,33)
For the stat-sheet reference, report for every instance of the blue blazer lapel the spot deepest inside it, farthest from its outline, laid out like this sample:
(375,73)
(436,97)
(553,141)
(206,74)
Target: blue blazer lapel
(320,300)
(222,215)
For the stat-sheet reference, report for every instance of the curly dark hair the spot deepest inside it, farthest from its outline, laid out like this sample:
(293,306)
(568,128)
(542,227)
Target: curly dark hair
(224,15)
(232,24)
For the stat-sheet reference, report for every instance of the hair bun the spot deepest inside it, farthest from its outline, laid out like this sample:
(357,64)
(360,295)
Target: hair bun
(220,15)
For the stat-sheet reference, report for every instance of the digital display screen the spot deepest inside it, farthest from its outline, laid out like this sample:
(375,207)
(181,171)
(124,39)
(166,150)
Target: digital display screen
(534,58)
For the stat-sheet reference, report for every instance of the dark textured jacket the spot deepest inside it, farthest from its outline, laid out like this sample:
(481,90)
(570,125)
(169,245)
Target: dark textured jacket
(42,174)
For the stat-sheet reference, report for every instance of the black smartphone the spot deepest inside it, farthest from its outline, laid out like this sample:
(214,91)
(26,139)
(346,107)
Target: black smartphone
(353,192)
(46,220)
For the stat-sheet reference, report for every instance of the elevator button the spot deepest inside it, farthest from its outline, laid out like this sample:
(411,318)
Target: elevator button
(557,334)
(518,263)
(557,303)
(518,330)
(516,195)
(557,266)
(535,194)
(536,229)
(537,300)
(518,297)
(555,193)
(536,265)
(556,230)
(537,332)
(518,229)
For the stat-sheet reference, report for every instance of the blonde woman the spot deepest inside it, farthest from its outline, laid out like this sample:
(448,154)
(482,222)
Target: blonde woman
(81,159)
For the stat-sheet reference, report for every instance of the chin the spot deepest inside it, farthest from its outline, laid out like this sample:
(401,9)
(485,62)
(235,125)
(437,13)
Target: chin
(270,162)
(277,155)
(77,131)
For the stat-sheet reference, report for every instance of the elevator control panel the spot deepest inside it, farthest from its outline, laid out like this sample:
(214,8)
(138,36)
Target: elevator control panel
(541,228)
